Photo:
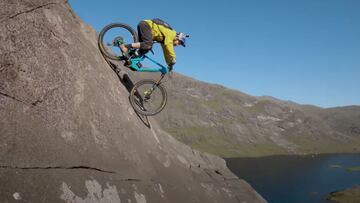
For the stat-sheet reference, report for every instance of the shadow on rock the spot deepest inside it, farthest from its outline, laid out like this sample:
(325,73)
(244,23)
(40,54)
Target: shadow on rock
(128,84)
(143,118)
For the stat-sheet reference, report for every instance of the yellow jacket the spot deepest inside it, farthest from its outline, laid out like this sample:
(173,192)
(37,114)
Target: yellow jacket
(166,37)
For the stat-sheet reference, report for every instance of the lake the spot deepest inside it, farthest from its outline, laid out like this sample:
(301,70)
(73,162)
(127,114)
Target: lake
(298,179)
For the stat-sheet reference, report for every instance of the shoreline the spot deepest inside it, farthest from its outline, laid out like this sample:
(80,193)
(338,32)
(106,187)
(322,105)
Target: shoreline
(278,155)
(349,195)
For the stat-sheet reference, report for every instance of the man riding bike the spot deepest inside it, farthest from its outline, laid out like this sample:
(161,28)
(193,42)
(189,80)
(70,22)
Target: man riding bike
(159,31)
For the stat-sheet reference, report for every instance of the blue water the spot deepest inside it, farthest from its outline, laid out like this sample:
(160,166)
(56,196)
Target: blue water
(297,179)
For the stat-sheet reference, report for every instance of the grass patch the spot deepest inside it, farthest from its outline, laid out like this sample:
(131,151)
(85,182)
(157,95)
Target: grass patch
(355,168)
(257,108)
(214,141)
(211,141)
(322,144)
(205,139)
(215,105)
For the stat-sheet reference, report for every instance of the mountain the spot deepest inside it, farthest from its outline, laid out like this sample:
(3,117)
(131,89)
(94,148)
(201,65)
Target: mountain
(229,123)
(68,133)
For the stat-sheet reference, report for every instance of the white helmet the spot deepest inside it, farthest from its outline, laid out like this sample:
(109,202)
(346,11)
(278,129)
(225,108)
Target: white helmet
(182,38)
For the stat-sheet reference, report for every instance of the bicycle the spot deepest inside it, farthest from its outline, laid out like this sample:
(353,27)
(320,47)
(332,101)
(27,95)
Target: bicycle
(148,97)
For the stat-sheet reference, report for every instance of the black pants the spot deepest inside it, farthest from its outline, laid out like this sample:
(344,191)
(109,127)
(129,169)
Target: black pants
(145,37)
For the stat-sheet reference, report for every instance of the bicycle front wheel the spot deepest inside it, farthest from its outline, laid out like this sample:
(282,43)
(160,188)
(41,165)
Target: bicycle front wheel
(147,98)
(108,36)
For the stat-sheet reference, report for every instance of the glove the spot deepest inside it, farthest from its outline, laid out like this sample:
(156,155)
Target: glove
(171,65)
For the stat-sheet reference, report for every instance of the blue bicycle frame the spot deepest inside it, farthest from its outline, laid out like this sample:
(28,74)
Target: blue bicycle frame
(136,60)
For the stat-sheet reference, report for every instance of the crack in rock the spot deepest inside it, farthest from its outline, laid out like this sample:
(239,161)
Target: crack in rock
(43,98)
(4,17)
(11,97)
(31,10)
(68,168)
(60,167)
(131,179)
(35,103)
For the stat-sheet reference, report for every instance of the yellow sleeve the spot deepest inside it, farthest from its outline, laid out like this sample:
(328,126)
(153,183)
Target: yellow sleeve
(168,45)
(169,53)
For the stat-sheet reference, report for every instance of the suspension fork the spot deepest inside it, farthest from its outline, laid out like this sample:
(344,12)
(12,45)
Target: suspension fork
(159,81)
(151,90)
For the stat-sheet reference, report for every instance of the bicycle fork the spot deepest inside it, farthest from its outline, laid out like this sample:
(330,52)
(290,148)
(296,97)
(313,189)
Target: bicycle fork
(148,92)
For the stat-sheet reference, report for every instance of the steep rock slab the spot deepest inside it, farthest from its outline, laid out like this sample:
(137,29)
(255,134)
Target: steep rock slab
(68,133)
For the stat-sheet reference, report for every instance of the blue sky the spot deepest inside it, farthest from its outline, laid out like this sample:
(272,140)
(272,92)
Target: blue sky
(306,51)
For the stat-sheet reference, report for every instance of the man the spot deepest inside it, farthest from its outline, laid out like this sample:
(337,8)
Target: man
(159,31)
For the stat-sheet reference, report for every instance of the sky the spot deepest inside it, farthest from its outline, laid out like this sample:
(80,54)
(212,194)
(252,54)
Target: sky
(305,51)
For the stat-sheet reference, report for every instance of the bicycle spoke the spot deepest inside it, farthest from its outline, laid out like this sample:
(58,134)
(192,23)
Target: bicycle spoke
(147,98)
(112,36)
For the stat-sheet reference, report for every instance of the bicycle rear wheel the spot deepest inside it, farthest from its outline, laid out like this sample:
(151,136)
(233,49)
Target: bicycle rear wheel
(109,33)
(147,98)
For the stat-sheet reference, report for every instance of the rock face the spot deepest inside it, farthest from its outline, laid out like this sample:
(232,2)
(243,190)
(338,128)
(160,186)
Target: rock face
(68,133)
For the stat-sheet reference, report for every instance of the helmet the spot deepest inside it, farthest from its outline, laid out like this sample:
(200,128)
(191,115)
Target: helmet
(182,38)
